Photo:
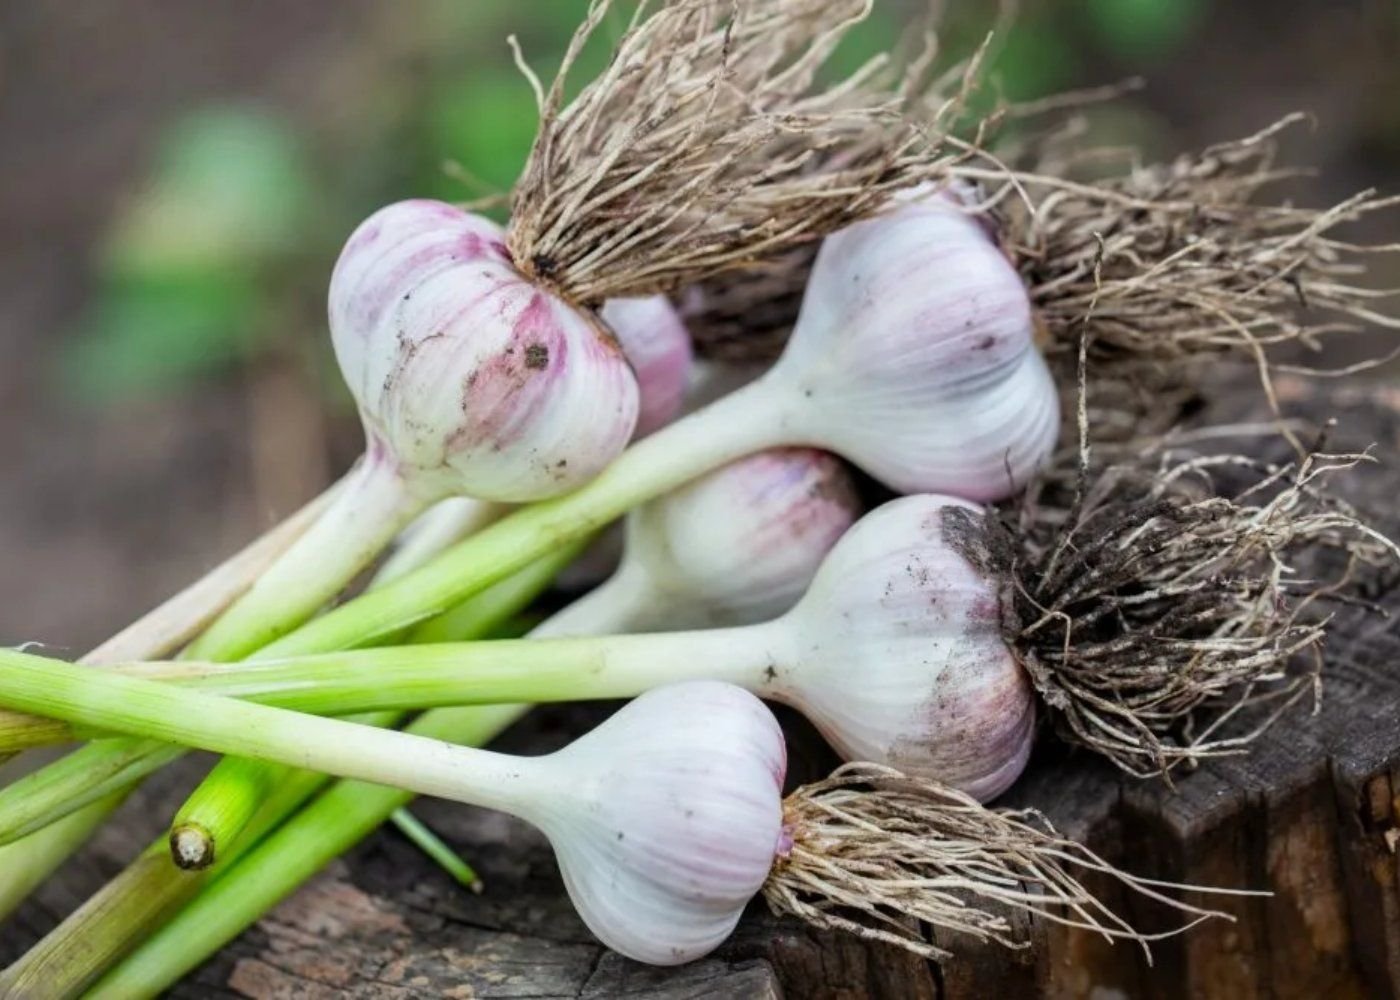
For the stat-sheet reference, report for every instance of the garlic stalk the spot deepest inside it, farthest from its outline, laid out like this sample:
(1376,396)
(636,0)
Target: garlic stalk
(896,653)
(655,342)
(470,380)
(666,819)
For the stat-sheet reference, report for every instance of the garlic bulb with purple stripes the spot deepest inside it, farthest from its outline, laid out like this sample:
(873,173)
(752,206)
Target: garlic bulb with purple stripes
(913,356)
(472,376)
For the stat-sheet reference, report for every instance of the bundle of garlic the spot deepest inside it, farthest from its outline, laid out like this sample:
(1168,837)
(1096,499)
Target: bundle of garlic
(477,357)
(927,305)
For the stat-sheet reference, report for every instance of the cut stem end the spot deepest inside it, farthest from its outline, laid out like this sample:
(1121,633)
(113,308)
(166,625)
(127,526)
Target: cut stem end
(191,847)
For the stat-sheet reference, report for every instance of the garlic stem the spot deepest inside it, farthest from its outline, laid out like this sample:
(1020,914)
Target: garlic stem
(373,503)
(169,714)
(756,417)
(449,521)
(576,668)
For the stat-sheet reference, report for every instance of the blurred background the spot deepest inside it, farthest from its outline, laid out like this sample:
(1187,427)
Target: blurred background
(176,178)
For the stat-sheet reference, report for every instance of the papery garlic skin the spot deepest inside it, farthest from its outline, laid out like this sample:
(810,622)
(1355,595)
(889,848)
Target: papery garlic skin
(897,654)
(913,353)
(667,818)
(477,381)
(657,344)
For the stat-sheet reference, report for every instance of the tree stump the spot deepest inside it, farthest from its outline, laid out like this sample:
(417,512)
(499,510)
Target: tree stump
(1312,814)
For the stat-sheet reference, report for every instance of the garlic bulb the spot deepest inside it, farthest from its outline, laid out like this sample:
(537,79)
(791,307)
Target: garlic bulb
(897,654)
(666,818)
(470,381)
(478,381)
(736,546)
(657,345)
(913,356)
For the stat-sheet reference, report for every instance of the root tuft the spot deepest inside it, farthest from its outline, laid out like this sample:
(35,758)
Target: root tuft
(874,852)
(1159,595)
(706,145)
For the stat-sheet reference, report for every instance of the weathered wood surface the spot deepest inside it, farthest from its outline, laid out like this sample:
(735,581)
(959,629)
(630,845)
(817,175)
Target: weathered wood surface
(1313,814)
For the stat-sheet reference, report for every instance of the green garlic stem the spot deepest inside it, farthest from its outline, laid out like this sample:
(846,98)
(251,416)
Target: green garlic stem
(434,847)
(370,507)
(329,826)
(170,714)
(29,861)
(491,672)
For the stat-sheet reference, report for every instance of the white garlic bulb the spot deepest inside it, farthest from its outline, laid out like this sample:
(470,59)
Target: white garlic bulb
(913,356)
(656,344)
(477,380)
(898,653)
(666,818)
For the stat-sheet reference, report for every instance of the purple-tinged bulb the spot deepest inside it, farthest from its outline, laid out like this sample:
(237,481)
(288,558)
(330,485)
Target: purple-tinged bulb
(667,817)
(476,380)
(739,545)
(898,652)
(655,340)
(913,356)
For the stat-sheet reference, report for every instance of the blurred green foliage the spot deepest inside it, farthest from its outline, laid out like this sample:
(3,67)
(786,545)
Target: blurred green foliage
(193,277)
(1145,30)
(182,274)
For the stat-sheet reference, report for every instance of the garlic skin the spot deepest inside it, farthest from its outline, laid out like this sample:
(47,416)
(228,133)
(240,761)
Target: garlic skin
(655,340)
(666,818)
(897,654)
(913,351)
(737,546)
(477,381)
